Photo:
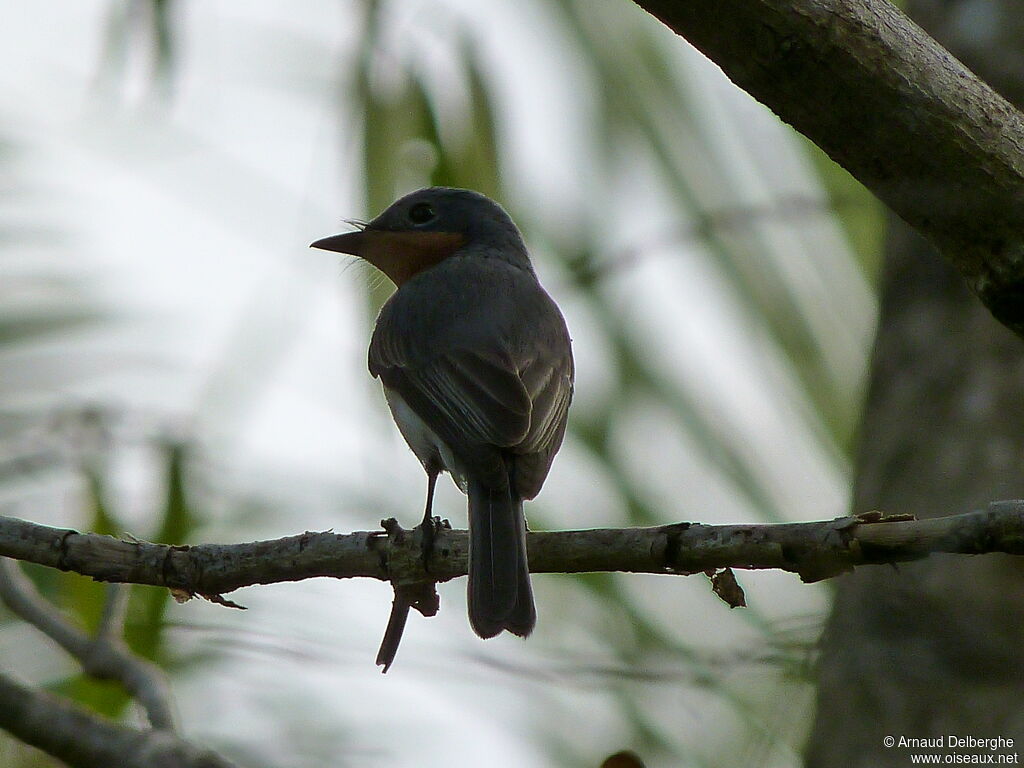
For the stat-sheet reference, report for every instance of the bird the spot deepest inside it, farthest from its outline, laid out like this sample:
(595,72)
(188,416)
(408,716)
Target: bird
(477,369)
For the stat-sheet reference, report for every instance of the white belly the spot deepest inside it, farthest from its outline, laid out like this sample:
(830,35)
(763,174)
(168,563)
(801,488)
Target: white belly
(422,439)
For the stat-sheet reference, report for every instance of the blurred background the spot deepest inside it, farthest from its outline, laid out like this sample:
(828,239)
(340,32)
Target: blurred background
(175,363)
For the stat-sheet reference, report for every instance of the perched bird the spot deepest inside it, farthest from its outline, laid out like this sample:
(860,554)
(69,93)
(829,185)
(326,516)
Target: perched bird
(477,368)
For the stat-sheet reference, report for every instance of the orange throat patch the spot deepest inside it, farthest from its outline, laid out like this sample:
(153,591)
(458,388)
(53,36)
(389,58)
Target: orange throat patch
(401,255)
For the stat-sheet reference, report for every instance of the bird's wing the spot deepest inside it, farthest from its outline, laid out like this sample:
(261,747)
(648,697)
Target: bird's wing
(549,381)
(479,392)
(472,400)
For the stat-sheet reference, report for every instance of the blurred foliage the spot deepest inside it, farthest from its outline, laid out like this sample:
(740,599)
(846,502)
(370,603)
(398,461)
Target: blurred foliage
(644,107)
(85,599)
(414,131)
(43,300)
(177,524)
(140,33)
(38,302)
(642,93)
(409,140)
(860,212)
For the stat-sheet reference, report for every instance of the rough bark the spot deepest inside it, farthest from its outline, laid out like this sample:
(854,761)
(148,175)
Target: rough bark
(814,551)
(937,647)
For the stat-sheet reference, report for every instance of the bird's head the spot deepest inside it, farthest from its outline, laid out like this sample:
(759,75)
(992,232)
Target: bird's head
(426,227)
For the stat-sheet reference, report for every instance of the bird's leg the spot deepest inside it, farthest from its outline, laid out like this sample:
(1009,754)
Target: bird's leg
(428,527)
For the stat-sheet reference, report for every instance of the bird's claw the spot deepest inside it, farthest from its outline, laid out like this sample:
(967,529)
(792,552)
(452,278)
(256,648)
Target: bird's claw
(428,535)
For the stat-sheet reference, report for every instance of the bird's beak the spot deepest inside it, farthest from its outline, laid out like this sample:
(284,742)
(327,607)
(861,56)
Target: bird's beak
(398,254)
(350,242)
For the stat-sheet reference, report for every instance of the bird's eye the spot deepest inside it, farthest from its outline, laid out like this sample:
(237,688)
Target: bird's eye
(421,213)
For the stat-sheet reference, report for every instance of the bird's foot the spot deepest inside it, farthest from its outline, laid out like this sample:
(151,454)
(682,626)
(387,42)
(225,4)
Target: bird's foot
(428,535)
(412,590)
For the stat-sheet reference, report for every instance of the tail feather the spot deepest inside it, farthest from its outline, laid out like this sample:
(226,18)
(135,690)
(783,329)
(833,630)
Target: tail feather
(500,595)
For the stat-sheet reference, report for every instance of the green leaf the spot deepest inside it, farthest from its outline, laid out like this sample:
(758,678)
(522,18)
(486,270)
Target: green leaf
(148,606)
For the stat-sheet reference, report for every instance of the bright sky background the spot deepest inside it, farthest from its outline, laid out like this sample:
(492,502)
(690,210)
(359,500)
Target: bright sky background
(191,223)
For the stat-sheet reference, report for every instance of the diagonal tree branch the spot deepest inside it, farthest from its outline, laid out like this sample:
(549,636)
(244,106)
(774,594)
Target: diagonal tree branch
(105,657)
(84,740)
(815,551)
(115,611)
(895,109)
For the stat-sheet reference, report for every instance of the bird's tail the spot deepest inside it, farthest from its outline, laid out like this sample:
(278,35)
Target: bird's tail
(500,596)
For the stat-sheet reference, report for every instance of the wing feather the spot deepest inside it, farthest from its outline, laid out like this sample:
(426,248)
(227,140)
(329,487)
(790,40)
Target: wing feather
(487,399)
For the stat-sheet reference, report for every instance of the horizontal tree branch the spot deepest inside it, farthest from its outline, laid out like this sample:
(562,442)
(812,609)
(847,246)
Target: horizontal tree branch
(815,551)
(894,108)
(84,740)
